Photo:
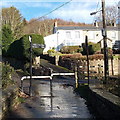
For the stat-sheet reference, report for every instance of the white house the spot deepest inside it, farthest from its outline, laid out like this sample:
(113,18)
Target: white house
(75,35)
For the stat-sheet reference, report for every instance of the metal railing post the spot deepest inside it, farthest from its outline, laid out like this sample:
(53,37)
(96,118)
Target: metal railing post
(76,78)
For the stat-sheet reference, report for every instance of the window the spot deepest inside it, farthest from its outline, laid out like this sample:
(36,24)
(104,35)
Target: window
(113,35)
(91,35)
(77,34)
(68,34)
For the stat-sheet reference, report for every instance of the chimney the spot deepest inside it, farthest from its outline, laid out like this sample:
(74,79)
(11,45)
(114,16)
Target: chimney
(55,24)
(114,24)
(55,27)
(96,23)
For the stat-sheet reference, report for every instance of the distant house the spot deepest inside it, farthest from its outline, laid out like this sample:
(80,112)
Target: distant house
(75,35)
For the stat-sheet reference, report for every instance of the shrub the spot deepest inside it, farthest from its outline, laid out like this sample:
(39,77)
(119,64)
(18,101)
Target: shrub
(70,49)
(51,51)
(92,48)
(80,57)
(7,71)
(20,48)
(96,46)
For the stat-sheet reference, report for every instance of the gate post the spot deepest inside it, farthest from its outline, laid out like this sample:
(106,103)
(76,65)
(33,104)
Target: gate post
(76,78)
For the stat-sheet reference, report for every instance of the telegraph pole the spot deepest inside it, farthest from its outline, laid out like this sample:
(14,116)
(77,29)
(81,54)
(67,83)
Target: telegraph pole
(104,34)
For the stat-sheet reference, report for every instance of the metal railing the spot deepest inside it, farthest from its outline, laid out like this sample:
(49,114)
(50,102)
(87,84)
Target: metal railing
(49,77)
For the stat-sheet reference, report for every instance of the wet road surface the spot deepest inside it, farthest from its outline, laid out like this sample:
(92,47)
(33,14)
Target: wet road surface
(54,100)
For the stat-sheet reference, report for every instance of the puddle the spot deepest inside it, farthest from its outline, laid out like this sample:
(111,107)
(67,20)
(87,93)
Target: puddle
(60,101)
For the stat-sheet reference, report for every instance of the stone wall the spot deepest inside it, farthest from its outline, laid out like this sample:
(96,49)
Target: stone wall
(104,105)
(95,66)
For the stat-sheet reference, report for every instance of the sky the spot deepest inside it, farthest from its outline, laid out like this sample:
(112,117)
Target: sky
(75,10)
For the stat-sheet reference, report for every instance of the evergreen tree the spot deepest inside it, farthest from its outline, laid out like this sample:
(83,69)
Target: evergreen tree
(11,16)
(7,38)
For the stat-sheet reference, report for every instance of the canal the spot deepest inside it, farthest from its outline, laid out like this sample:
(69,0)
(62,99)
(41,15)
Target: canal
(54,99)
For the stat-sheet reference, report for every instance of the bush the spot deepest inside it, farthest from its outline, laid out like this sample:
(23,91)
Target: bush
(70,49)
(20,49)
(92,48)
(7,71)
(80,57)
(51,51)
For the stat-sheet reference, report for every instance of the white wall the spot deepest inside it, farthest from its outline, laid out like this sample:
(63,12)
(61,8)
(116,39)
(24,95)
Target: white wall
(50,42)
(60,38)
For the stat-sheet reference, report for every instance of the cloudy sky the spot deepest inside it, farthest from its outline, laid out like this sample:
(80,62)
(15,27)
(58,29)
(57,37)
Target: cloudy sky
(75,10)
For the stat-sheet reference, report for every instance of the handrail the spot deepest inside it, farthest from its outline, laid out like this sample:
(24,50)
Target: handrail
(50,77)
(28,77)
(56,74)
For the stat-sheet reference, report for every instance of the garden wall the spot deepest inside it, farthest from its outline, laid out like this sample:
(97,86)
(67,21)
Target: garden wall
(95,66)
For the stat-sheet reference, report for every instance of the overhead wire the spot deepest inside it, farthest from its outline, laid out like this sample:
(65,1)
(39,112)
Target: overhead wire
(51,11)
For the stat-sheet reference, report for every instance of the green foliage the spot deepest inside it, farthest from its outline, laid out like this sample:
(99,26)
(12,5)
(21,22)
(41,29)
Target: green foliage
(20,100)
(70,49)
(92,48)
(7,71)
(51,51)
(11,16)
(20,49)
(7,38)
(95,46)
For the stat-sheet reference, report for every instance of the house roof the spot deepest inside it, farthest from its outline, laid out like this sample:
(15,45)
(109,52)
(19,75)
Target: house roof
(84,28)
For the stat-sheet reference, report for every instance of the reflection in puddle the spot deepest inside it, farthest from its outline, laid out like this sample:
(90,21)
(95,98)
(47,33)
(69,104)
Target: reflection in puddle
(60,101)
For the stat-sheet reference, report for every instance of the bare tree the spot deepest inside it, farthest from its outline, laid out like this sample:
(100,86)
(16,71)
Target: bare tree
(12,17)
(44,26)
(111,15)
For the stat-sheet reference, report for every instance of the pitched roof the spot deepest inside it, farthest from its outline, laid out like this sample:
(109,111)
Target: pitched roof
(84,28)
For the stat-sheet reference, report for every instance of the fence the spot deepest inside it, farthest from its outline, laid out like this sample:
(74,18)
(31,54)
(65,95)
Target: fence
(49,77)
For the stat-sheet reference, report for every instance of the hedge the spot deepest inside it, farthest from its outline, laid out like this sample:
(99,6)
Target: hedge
(92,48)
(70,49)
(20,49)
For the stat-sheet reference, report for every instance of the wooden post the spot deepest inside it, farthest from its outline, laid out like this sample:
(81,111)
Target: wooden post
(76,78)
(112,64)
(56,60)
(86,42)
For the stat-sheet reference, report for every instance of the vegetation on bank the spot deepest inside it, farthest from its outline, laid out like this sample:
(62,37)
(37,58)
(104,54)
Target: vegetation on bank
(113,85)
(7,72)
(11,96)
